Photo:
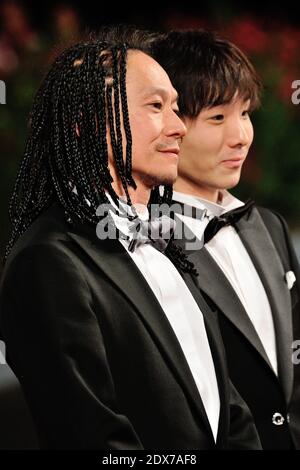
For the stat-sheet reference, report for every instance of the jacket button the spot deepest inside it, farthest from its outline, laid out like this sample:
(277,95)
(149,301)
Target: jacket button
(277,419)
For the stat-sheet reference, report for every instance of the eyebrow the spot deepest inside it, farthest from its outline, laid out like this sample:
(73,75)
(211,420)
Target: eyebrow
(243,102)
(160,91)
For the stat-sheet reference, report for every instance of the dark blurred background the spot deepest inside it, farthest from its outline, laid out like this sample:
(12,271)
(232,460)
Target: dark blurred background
(31,33)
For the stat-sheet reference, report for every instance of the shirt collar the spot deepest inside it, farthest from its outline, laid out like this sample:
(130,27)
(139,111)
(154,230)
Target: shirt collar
(228,202)
(121,222)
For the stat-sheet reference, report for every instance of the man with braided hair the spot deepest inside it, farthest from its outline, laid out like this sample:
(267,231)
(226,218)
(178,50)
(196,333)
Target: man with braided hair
(110,346)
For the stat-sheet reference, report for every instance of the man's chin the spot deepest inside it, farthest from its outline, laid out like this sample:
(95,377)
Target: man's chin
(233,184)
(230,183)
(166,179)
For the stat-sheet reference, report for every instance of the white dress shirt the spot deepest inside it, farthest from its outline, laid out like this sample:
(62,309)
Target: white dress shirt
(184,316)
(232,257)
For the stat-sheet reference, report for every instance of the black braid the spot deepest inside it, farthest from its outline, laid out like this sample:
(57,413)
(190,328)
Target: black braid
(130,180)
(173,251)
(117,124)
(115,147)
(176,254)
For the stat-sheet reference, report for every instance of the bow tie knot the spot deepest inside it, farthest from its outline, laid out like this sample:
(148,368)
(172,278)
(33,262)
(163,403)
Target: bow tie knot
(228,218)
(158,232)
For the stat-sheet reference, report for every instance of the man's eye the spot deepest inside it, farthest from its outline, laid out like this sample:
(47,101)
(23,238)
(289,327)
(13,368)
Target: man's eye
(246,113)
(217,117)
(156,104)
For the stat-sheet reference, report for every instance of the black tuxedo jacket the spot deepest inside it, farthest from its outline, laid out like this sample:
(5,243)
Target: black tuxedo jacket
(265,236)
(99,363)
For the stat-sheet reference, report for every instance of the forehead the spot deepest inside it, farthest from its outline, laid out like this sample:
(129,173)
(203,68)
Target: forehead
(235,102)
(145,76)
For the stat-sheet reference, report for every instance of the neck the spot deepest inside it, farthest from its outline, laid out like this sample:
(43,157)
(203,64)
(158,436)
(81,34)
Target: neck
(140,195)
(187,186)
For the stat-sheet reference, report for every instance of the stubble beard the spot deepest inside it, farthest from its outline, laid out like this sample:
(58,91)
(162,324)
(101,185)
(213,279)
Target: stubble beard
(156,180)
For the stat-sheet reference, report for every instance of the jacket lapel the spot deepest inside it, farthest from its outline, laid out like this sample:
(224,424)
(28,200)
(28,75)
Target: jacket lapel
(265,258)
(113,260)
(218,354)
(261,249)
(215,284)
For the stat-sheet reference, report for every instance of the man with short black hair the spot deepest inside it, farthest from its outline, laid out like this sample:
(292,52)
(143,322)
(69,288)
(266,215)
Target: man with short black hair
(248,267)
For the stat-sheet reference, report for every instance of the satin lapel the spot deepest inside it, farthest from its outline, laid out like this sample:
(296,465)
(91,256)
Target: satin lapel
(262,251)
(215,284)
(228,302)
(113,260)
(218,353)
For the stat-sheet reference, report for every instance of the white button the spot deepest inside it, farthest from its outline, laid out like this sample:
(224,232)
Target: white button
(277,419)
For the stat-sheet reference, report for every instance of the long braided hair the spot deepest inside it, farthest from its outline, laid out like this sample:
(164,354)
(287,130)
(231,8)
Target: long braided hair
(67,143)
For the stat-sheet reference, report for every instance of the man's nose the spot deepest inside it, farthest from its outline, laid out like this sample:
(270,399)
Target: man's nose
(239,134)
(175,126)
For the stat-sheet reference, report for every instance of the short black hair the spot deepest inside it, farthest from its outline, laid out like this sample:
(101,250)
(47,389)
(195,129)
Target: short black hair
(206,70)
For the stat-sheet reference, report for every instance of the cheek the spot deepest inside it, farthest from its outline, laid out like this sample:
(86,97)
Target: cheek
(140,143)
(144,131)
(250,132)
(209,139)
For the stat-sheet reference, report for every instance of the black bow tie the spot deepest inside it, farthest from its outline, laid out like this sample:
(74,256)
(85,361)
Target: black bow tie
(229,218)
(158,232)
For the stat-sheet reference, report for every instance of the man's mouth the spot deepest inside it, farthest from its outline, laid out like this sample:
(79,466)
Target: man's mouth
(171,152)
(234,162)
